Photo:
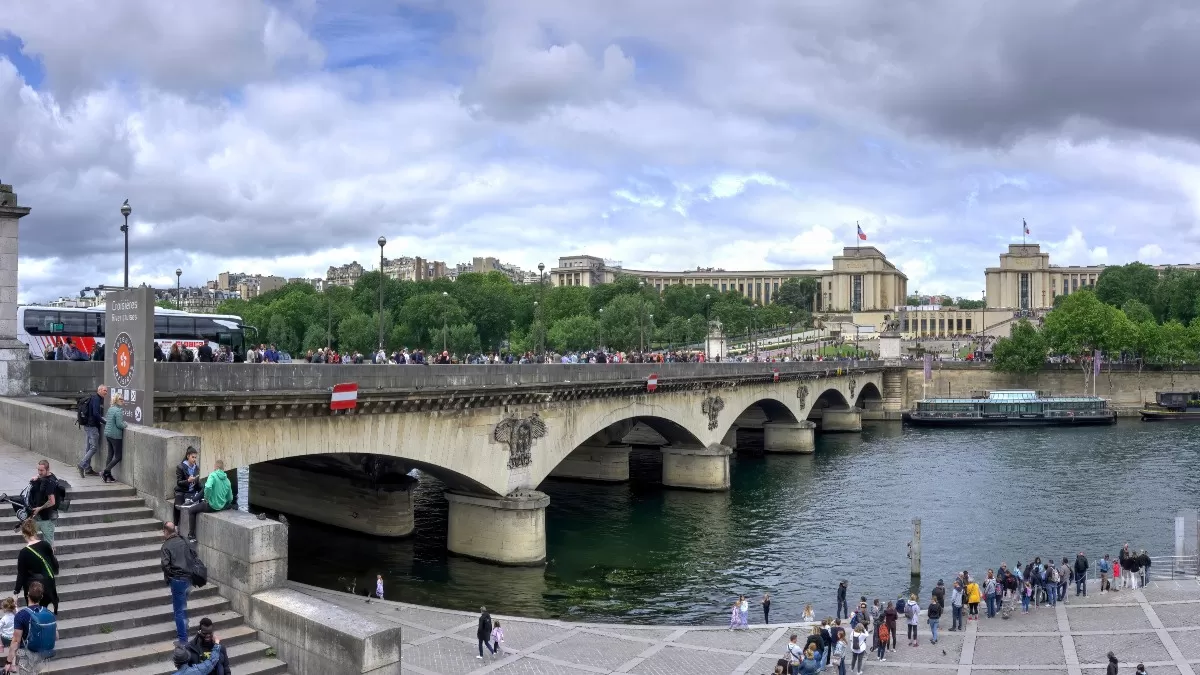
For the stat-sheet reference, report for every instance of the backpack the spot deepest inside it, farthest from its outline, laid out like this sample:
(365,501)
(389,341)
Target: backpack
(900,607)
(62,495)
(43,627)
(910,610)
(83,407)
(857,642)
(884,633)
(196,568)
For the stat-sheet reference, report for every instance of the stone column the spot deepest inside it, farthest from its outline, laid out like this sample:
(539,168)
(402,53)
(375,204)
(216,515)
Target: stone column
(791,437)
(509,530)
(14,356)
(846,419)
(696,467)
(605,463)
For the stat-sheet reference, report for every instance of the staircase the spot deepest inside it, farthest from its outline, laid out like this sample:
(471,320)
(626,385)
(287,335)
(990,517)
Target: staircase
(893,390)
(115,609)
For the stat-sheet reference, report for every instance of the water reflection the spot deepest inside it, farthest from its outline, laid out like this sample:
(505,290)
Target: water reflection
(795,524)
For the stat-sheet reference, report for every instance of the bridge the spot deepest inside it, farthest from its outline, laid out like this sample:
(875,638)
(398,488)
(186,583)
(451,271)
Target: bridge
(492,434)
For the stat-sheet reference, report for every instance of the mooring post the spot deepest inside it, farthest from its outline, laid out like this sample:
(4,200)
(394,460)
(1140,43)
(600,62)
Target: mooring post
(914,554)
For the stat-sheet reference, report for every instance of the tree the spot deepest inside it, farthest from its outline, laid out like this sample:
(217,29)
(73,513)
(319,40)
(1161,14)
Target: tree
(1022,352)
(357,332)
(314,337)
(621,322)
(463,339)
(963,303)
(282,335)
(797,294)
(573,334)
(1137,311)
(1118,284)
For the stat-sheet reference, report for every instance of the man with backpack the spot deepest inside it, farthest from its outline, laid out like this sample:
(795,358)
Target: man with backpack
(89,415)
(46,495)
(176,558)
(35,630)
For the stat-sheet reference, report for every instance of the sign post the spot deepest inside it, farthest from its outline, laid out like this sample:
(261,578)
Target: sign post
(129,352)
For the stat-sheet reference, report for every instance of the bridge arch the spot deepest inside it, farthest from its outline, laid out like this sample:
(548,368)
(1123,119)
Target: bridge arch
(869,397)
(829,399)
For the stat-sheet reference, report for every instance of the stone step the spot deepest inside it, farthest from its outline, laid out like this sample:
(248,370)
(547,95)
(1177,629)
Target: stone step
(151,653)
(68,593)
(160,596)
(89,504)
(113,515)
(64,535)
(124,618)
(139,635)
(94,488)
(247,658)
(93,543)
(73,561)
(81,575)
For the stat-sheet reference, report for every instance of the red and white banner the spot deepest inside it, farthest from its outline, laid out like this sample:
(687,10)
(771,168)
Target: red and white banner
(776,371)
(652,382)
(345,397)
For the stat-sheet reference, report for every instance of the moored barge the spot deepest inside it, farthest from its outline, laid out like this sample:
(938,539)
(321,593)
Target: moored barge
(1011,408)
(1173,405)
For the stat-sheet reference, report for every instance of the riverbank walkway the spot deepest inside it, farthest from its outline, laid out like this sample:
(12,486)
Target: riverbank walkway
(1158,626)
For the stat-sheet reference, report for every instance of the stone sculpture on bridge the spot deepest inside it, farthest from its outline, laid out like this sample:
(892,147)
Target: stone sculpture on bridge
(519,435)
(712,406)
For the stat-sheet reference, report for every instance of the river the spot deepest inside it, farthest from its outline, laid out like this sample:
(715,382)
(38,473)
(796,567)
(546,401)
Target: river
(793,525)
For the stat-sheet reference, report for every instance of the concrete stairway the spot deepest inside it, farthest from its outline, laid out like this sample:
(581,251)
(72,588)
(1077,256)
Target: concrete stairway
(893,390)
(115,609)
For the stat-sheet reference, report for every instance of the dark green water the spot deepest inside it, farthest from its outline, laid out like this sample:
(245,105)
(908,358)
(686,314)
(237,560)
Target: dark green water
(794,525)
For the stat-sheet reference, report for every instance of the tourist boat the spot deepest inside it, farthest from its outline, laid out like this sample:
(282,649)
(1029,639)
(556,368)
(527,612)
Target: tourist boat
(1013,408)
(1173,405)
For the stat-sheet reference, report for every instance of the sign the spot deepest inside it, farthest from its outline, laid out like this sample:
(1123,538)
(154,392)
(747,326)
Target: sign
(57,328)
(129,355)
(345,397)
(776,372)
(652,382)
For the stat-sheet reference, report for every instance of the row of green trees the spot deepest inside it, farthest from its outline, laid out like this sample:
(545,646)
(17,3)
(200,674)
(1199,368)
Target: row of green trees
(484,312)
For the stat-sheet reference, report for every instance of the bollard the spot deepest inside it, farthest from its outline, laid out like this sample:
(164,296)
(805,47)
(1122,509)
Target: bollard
(914,554)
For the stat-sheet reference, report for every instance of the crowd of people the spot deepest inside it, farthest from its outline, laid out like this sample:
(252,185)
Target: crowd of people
(874,627)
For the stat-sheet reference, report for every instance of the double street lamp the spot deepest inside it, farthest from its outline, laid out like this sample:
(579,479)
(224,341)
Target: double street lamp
(125,211)
(382,241)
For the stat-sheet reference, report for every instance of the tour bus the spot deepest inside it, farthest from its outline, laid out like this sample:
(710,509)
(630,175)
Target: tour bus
(42,328)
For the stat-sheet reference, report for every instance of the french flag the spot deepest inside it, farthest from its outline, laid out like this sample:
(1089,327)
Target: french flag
(861,235)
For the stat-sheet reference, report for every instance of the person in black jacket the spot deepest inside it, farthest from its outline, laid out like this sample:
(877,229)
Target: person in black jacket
(484,632)
(1081,568)
(843,610)
(188,491)
(1112,661)
(36,562)
(178,575)
(204,354)
(200,649)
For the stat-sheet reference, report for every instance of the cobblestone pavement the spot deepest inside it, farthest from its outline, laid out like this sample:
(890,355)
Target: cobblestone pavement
(1158,626)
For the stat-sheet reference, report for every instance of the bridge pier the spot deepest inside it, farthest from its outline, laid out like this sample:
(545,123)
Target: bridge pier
(845,419)
(789,437)
(730,440)
(696,467)
(509,530)
(606,463)
(384,510)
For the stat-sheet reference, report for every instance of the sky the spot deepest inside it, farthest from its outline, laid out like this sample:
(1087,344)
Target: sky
(283,136)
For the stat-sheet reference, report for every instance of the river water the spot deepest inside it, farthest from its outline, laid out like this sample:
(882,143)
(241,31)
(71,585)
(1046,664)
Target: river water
(793,525)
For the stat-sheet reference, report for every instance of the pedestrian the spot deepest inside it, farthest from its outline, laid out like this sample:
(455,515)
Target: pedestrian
(793,655)
(1105,567)
(178,575)
(484,631)
(1141,669)
(842,607)
(1133,567)
(827,637)
(989,593)
(972,600)
(1118,578)
(1080,574)
(8,612)
(1026,596)
(939,592)
(1144,562)
(379,586)
(1112,664)
(839,651)
(934,614)
(734,618)
(497,637)
(913,611)
(809,614)
(744,611)
(92,421)
(202,647)
(858,648)
(42,501)
(34,634)
(882,634)
(956,605)
(890,617)
(36,564)
(181,655)
(187,490)
(114,434)
(766,606)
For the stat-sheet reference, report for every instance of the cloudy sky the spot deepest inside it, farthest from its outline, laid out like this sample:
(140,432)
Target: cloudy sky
(283,136)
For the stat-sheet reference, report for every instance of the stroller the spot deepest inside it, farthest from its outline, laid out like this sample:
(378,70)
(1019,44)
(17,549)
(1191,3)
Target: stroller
(20,506)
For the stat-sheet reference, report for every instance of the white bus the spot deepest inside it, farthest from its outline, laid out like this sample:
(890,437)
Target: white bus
(45,328)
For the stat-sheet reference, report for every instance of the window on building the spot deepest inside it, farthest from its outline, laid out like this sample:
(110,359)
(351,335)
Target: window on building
(758,291)
(904,325)
(723,289)
(941,325)
(923,325)
(959,324)
(856,293)
(1074,284)
(776,287)
(968,325)
(742,289)
(1024,294)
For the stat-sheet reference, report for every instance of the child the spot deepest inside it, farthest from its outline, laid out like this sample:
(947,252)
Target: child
(1141,670)
(1026,595)
(1117,575)
(809,615)
(379,586)
(8,609)
(497,637)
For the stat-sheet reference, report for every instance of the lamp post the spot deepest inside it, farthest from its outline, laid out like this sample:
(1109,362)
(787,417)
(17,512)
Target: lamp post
(601,323)
(178,297)
(382,241)
(125,211)
(792,333)
(641,320)
(444,296)
(651,331)
(538,341)
(707,303)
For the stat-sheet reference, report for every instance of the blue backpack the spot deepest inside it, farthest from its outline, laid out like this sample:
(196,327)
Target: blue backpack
(43,628)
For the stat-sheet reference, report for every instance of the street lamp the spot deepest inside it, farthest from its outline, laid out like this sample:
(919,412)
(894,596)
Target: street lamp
(125,211)
(792,333)
(382,241)
(707,302)
(538,341)
(444,295)
(178,297)
(652,331)
(641,311)
(601,322)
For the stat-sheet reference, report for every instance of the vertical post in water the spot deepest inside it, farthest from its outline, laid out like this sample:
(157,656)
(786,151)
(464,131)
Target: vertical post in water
(914,553)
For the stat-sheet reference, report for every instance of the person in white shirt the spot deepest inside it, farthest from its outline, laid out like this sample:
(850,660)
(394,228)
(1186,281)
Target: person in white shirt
(913,611)
(858,648)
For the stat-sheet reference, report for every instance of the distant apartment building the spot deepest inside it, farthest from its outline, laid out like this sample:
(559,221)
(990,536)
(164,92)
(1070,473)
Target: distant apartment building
(343,275)
(415,269)
(483,265)
(316,282)
(247,286)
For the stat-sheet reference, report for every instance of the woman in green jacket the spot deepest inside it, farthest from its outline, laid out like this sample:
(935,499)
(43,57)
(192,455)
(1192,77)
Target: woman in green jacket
(114,432)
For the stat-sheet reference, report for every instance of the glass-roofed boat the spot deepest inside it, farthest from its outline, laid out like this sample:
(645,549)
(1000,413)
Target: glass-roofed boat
(1011,408)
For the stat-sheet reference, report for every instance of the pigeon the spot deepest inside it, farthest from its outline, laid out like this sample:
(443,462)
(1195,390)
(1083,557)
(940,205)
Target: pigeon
(283,519)
(262,516)
(943,652)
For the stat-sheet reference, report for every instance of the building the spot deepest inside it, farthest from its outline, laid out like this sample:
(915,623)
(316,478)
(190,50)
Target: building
(343,275)
(254,286)
(862,279)
(415,269)
(483,265)
(316,282)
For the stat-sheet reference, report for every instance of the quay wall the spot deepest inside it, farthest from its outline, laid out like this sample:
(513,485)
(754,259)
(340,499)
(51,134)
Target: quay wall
(1125,387)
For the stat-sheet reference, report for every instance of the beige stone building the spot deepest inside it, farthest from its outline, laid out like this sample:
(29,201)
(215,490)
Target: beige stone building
(862,279)
(343,275)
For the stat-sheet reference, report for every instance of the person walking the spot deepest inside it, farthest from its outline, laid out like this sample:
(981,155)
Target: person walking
(793,655)
(1112,664)
(34,634)
(379,586)
(182,655)
(1080,574)
(890,617)
(114,433)
(36,564)
(956,605)
(934,614)
(858,648)
(42,503)
(92,423)
(882,635)
(766,606)
(484,631)
(843,610)
(839,651)
(913,611)
(178,575)
(972,600)
(734,615)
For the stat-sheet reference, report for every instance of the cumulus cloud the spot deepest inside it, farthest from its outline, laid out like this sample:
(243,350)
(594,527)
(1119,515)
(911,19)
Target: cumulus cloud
(286,135)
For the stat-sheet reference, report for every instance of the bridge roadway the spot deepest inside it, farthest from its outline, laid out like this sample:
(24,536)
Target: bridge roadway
(491,433)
